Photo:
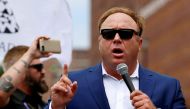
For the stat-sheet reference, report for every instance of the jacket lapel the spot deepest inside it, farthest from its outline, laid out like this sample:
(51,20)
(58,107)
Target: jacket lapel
(95,84)
(146,81)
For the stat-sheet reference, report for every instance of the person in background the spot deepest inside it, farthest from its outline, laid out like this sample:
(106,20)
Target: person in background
(1,70)
(102,87)
(23,78)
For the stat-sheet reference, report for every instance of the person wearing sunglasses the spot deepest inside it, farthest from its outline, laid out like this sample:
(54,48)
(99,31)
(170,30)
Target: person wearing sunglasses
(102,87)
(23,82)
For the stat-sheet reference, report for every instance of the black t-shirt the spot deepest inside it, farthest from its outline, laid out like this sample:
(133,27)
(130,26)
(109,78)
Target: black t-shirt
(19,100)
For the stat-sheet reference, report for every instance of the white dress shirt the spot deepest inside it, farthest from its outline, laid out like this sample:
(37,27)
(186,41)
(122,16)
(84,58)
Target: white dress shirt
(117,91)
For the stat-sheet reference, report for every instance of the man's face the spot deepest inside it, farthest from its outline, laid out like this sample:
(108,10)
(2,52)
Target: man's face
(35,77)
(118,50)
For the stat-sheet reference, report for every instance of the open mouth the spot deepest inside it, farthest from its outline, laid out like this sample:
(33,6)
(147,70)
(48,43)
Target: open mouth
(117,53)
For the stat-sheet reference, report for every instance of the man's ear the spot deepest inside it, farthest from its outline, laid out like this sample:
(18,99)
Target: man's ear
(140,43)
(99,38)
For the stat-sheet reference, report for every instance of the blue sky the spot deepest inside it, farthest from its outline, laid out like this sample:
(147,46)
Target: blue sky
(80,11)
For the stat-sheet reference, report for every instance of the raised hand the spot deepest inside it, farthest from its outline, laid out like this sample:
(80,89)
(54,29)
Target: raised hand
(34,51)
(63,91)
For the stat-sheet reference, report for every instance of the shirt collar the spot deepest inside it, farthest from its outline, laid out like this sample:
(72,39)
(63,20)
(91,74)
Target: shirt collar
(135,74)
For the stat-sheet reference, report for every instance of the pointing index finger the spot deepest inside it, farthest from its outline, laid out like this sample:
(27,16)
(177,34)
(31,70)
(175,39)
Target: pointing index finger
(64,78)
(65,70)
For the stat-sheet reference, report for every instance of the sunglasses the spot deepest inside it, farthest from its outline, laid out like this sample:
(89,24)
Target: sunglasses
(38,67)
(125,34)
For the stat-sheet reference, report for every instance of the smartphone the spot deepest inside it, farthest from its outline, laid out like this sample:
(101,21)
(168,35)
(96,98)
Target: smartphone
(53,46)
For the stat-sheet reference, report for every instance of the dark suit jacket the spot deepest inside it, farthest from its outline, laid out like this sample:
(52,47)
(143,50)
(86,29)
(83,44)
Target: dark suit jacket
(164,91)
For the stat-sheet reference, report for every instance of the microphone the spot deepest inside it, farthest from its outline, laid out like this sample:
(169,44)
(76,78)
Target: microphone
(122,69)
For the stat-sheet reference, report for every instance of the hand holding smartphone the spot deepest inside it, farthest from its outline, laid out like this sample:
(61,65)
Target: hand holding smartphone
(53,46)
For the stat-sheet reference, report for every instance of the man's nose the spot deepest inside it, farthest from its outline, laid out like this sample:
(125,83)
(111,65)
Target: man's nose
(117,38)
(43,72)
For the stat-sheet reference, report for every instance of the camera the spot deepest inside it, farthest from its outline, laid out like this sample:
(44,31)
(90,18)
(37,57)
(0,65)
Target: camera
(53,46)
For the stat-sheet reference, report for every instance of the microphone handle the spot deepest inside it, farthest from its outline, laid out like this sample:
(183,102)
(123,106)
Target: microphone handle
(129,83)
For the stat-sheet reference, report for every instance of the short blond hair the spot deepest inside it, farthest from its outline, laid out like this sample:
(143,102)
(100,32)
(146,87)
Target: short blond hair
(13,55)
(138,19)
